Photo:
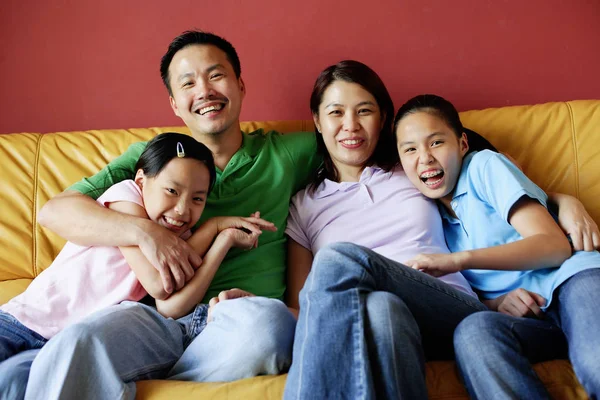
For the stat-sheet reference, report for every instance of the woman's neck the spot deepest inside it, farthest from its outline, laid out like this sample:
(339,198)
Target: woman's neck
(349,173)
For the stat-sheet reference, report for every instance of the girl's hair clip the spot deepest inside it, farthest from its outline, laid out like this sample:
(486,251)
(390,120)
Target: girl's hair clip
(180,151)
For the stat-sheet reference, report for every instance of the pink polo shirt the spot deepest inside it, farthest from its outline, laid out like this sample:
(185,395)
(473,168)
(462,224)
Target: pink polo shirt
(80,281)
(383,212)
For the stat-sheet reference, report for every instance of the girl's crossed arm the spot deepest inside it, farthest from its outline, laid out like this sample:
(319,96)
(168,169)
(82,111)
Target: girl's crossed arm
(543,245)
(201,240)
(182,302)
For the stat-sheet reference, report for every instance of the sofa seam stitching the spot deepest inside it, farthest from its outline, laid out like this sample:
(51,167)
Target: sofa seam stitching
(575,152)
(35,201)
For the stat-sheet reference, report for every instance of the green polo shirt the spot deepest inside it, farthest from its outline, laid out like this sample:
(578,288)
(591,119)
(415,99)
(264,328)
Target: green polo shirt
(262,176)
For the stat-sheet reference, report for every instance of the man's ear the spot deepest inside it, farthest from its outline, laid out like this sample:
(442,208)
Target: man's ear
(463,143)
(242,86)
(174,106)
(140,178)
(316,121)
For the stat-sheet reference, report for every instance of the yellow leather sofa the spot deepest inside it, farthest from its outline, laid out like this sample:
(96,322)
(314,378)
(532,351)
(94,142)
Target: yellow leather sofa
(558,145)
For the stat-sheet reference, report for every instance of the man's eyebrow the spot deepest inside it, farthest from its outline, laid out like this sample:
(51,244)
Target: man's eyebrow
(191,74)
(185,76)
(213,67)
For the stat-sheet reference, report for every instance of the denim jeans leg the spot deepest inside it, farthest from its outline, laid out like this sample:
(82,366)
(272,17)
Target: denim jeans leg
(394,345)
(14,374)
(102,356)
(16,338)
(331,358)
(578,302)
(18,347)
(247,337)
(495,352)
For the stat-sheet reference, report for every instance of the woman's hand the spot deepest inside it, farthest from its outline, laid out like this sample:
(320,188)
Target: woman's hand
(437,264)
(576,222)
(518,303)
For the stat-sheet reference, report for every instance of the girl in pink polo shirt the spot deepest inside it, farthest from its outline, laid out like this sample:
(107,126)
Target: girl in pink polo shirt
(174,176)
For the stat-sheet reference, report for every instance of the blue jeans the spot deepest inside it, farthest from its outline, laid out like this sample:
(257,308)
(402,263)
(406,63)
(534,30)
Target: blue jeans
(495,351)
(367,324)
(18,347)
(103,356)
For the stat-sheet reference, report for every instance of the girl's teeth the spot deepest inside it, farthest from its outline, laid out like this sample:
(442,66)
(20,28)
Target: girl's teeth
(173,221)
(430,174)
(351,142)
(433,183)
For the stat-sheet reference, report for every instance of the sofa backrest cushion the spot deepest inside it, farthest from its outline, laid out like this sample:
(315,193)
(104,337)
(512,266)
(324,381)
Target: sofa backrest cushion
(557,144)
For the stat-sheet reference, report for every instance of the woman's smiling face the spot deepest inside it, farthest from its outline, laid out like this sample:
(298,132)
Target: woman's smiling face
(350,121)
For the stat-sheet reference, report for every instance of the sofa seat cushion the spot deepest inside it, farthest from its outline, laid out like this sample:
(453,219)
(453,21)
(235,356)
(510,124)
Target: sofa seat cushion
(443,383)
(11,288)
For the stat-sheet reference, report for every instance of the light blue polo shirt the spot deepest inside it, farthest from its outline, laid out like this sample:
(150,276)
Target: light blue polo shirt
(487,188)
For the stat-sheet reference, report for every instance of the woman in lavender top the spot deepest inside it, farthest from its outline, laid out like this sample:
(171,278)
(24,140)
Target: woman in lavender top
(366,322)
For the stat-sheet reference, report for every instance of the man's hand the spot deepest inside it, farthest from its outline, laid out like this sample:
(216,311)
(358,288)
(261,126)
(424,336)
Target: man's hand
(519,303)
(436,264)
(174,259)
(226,295)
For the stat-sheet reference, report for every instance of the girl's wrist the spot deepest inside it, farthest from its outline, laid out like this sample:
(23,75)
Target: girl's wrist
(224,239)
(462,259)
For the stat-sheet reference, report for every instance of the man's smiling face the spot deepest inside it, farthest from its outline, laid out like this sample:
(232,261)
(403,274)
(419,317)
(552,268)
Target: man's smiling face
(206,94)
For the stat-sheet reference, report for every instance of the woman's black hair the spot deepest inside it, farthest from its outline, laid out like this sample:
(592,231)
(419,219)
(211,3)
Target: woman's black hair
(444,110)
(385,155)
(164,147)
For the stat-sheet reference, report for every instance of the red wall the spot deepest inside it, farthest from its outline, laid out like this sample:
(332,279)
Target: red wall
(82,64)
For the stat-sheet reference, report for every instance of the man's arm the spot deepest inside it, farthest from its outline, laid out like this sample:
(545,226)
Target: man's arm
(81,220)
(77,217)
(150,278)
(85,222)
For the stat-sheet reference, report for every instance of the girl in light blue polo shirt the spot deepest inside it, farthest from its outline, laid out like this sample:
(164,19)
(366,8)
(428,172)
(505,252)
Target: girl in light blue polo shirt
(508,246)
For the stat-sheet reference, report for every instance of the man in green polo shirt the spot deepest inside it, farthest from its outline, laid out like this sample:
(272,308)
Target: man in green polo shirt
(255,172)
